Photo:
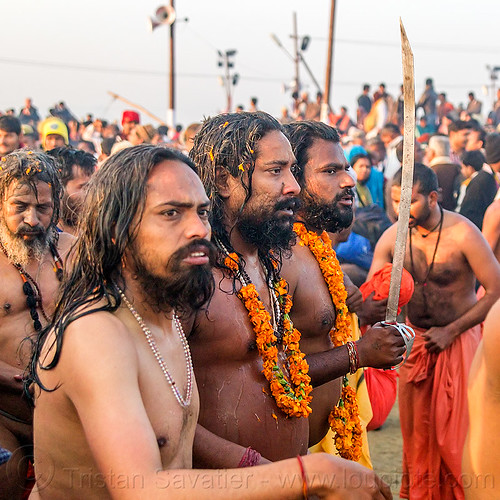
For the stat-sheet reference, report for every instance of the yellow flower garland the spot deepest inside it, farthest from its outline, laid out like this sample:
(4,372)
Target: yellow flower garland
(344,418)
(293,397)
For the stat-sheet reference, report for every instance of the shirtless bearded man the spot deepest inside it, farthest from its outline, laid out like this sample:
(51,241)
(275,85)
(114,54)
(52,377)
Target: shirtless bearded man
(246,164)
(445,253)
(30,266)
(327,207)
(116,400)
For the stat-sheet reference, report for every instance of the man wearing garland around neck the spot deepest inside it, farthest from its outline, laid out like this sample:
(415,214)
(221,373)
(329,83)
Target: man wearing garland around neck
(116,399)
(445,253)
(327,207)
(31,268)
(246,336)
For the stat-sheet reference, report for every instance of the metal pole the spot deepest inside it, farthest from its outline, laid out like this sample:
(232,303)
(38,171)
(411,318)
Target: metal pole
(325,105)
(297,56)
(171,101)
(228,84)
(308,69)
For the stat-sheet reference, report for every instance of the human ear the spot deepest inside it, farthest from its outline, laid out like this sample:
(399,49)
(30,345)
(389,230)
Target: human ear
(434,198)
(223,182)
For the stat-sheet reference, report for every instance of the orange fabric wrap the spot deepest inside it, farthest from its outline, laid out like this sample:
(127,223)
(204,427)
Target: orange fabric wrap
(434,417)
(380,282)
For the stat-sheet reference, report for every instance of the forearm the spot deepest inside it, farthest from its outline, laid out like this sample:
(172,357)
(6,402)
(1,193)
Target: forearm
(278,481)
(212,451)
(475,314)
(328,365)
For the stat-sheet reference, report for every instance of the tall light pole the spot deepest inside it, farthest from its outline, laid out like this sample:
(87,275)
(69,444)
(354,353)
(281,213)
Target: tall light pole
(298,57)
(229,80)
(171,95)
(165,15)
(325,105)
(295,37)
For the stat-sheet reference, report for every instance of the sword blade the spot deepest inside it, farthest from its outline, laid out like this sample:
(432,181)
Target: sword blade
(407,178)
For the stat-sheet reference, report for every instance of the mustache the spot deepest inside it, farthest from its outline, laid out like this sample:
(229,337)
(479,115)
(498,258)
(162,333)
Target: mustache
(344,193)
(24,229)
(198,245)
(292,203)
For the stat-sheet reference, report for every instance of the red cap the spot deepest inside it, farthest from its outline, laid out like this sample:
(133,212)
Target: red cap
(130,116)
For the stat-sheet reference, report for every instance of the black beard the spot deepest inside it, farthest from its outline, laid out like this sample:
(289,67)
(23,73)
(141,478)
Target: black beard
(423,217)
(331,218)
(269,231)
(185,288)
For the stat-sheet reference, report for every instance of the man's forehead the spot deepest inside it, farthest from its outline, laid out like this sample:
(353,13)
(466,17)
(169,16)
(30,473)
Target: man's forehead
(174,180)
(38,188)
(415,190)
(323,152)
(274,143)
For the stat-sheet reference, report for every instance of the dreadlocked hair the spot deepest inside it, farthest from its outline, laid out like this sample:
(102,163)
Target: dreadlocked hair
(112,212)
(230,141)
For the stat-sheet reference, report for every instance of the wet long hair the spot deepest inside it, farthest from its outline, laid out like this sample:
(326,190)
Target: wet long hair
(29,167)
(230,141)
(116,195)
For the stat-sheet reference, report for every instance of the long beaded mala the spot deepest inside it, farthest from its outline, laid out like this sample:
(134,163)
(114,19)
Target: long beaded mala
(32,290)
(184,402)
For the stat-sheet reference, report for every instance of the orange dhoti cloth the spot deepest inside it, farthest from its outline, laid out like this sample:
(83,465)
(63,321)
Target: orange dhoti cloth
(434,417)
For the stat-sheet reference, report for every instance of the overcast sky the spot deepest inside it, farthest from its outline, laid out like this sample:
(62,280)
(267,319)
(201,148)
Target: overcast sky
(76,51)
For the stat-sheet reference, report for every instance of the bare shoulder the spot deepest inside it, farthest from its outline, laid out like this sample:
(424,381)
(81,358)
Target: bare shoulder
(64,244)
(491,221)
(388,236)
(385,243)
(383,250)
(92,342)
(462,228)
(295,264)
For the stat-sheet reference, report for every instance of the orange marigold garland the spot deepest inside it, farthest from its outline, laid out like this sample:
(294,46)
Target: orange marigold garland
(292,397)
(344,418)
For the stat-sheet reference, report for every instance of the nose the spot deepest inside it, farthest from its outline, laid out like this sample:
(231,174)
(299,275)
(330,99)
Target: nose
(31,217)
(197,228)
(347,180)
(290,185)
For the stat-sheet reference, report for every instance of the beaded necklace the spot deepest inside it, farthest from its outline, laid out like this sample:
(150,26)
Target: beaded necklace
(184,402)
(32,290)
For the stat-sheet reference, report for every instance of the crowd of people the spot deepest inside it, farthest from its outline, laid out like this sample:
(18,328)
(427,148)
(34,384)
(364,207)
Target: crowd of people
(199,313)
